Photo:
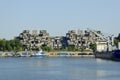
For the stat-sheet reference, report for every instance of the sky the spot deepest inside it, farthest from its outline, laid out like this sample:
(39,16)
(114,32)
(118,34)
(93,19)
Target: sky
(58,16)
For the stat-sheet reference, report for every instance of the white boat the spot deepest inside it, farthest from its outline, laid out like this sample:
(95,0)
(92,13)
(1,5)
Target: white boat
(25,54)
(63,54)
(39,54)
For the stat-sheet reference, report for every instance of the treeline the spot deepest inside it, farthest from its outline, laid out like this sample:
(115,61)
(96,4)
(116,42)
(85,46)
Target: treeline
(10,45)
(69,48)
(16,45)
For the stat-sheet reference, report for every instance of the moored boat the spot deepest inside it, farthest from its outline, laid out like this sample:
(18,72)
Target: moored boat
(25,54)
(39,54)
(63,54)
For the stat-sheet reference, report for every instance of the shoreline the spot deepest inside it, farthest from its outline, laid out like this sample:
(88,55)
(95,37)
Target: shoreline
(69,54)
(52,54)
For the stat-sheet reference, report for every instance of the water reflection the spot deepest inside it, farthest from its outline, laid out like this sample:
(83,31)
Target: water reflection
(58,69)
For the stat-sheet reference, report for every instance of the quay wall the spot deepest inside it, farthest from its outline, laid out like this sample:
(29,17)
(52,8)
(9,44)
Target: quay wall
(72,54)
(57,54)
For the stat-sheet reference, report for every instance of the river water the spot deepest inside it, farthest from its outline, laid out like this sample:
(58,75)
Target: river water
(58,69)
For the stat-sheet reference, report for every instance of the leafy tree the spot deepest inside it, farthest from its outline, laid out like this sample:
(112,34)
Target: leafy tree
(116,42)
(46,48)
(35,49)
(71,48)
(10,45)
(56,49)
(93,46)
(2,45)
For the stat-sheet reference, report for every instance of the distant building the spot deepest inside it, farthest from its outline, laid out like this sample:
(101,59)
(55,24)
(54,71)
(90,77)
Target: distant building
(101,46)
(34,40)
(81,39)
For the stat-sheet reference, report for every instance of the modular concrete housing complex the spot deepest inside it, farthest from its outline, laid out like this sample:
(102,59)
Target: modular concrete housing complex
(80,39)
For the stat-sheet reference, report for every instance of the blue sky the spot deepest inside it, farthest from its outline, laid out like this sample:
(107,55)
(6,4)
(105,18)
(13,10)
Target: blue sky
(58,16)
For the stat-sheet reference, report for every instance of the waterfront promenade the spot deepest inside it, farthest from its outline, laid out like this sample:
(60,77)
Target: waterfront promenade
(67,54)
(51,54)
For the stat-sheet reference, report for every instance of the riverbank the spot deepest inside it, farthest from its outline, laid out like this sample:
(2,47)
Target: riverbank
(69,54)
(50,54)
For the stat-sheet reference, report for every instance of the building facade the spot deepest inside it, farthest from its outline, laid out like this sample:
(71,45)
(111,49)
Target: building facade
(80,39)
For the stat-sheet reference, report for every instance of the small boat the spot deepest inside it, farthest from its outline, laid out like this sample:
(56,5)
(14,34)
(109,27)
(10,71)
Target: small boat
(63,54)
(39,54)
(25,54)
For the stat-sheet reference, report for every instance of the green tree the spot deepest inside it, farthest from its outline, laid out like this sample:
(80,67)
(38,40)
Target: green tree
(71,48)
(16,45)
(93,46)
(46,48)
(2,45)
(116,42)
(8,47)
(35,49)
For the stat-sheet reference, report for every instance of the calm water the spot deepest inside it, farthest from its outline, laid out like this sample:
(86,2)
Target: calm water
(58,69)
